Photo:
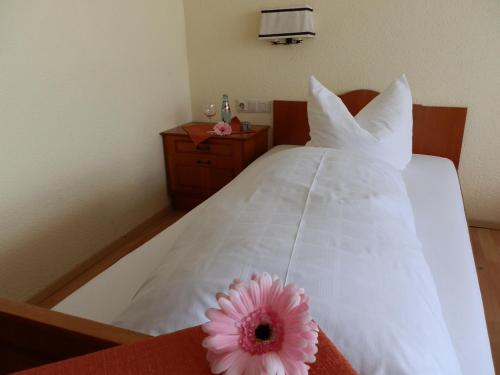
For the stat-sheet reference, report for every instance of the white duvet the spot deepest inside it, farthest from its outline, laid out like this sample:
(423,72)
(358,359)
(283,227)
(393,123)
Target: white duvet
(337,224)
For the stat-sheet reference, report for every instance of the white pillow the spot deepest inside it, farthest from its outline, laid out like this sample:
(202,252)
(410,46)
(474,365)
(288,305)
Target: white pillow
(383,129)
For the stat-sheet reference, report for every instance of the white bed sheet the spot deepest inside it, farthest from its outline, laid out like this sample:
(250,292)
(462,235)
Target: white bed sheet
(434,191)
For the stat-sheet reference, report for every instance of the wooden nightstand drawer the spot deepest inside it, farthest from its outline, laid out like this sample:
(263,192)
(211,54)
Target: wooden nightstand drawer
(183,146)
(206,160)
(201,173)
(186,178)
(200,180)
(194,173)
(217,178)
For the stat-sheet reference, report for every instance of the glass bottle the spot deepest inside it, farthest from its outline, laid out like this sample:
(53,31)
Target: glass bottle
(226,109)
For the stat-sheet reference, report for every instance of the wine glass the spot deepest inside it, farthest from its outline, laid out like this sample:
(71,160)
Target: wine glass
(209,110)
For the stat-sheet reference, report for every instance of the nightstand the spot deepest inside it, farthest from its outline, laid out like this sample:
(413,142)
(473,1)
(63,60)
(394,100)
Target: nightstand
(194,173)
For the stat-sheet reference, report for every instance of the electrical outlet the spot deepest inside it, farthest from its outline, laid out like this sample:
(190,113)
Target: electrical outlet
(241,106)
(253,106)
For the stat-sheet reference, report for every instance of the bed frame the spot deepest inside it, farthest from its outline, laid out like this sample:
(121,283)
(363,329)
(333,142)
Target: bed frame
(31,335)
(437,131)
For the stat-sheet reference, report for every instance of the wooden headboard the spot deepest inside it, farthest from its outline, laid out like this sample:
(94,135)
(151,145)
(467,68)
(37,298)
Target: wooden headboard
(437,131)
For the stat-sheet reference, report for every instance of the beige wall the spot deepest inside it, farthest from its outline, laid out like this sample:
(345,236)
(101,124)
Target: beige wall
(85,88)
(449,49)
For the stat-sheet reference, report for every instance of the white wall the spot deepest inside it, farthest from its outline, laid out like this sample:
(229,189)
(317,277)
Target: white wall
(85,88)
(449,49)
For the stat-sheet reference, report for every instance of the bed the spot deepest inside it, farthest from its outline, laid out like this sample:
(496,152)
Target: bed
(439,219)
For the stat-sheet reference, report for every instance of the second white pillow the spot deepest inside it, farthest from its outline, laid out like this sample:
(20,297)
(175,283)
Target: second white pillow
(382,129)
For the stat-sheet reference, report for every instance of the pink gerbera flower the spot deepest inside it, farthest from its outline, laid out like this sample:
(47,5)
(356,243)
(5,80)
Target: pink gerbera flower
(222,128)
(261,328)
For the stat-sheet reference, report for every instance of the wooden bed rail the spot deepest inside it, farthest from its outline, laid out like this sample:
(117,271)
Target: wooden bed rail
(32,336)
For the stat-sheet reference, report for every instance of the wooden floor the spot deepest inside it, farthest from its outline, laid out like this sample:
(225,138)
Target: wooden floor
(486,247)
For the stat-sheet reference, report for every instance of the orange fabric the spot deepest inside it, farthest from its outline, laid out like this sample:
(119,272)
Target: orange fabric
(329,360)
(201,132)
(176,353)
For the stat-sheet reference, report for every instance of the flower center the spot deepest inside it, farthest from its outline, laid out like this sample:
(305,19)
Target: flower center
(261,331)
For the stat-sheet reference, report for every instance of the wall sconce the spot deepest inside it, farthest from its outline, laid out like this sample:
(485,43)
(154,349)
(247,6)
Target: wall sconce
(288,25)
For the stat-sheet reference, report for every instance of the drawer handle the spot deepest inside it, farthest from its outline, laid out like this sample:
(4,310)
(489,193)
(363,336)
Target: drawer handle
(203,147)
(204,162)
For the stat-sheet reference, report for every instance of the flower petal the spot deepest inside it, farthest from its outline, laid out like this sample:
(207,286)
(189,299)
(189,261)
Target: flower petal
(218,327)
(254,289)
(229,309)
(299,318)
(221,343)
(292,353)
(221,295)
(294,367)
(235,284)
(283,299)
(218,315)
(225,361)
(235,298)
(239,364)
(294,341)
(247,300)
(314,325)
(276,290)
(265,283)
(310,335)
(287,302)
(272,364)
(254,366)
(310,349)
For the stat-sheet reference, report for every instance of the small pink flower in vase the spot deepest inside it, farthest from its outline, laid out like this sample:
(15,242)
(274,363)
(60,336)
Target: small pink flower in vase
(222,128)
(262,327)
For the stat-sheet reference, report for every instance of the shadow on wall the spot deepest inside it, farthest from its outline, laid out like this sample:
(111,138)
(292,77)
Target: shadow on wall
(42,256)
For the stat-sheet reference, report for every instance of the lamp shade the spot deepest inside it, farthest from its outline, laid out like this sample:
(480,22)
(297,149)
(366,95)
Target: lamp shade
(295,22)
